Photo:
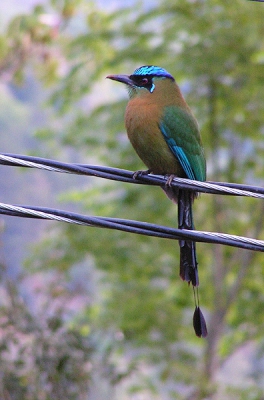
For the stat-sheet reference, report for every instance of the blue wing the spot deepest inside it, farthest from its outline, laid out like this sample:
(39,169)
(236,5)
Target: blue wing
(180,130)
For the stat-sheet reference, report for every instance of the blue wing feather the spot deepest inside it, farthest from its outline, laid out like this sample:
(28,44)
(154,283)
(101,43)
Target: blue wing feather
(179,153)
(180,130)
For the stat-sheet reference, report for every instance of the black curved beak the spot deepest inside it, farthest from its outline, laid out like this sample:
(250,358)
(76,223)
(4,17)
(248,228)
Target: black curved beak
(121,78)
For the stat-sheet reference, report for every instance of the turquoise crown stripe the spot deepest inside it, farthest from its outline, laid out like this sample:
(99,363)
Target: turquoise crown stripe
(152,70)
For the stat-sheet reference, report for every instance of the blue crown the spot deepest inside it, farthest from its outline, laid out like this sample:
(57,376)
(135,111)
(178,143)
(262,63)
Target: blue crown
(152,70)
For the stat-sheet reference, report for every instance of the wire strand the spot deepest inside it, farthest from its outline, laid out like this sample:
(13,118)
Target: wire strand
(138,227)
(220,188)
(126,225)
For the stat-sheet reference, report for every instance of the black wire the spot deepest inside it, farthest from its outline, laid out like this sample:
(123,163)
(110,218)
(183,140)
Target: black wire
(132,226)
(122,175)
(138,227)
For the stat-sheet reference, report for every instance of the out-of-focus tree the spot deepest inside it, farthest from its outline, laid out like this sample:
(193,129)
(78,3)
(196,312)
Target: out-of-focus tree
(41,357)
(215,51)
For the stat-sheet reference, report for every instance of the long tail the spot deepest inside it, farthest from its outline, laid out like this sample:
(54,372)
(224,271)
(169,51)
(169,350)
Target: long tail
(188,261)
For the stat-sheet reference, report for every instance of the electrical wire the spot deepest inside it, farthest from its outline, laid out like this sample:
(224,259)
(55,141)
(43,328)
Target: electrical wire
(138,227)
(220,188)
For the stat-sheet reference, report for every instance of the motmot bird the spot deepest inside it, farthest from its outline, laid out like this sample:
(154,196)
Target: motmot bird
(165,134)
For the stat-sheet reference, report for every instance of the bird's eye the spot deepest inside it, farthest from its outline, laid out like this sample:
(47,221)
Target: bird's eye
(144,81)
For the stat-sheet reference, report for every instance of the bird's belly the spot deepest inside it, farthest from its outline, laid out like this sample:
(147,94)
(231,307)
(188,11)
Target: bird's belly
(149,143)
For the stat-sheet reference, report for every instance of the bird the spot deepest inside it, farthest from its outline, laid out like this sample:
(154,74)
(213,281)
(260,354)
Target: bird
(165,134)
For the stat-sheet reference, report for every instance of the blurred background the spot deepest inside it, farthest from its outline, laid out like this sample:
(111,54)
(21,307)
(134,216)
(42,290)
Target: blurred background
(96,314)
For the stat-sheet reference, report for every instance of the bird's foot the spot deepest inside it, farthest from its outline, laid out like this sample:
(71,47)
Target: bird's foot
(141,173)
(169,180)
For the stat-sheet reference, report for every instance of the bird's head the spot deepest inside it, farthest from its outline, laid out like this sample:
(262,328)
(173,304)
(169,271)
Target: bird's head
(143,80)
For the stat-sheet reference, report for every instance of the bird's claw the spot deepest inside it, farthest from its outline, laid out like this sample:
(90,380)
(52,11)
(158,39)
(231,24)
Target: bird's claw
(169,180)
(141,173)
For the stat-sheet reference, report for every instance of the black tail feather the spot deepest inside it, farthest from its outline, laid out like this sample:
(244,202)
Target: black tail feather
(188,261)
(199,323)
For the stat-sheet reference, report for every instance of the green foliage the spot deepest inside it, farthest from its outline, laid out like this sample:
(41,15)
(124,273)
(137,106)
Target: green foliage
(40,355)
